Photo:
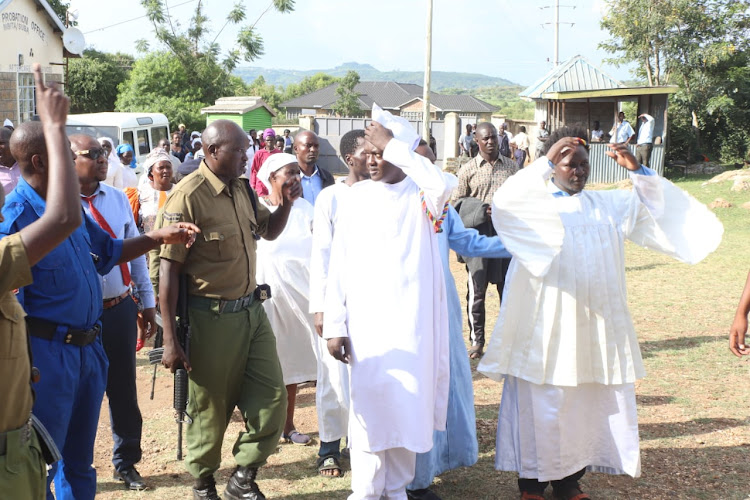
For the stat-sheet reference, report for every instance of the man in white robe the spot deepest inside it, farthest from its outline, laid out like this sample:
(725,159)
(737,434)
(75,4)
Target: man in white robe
(332,389)
(386,311)
(564,340)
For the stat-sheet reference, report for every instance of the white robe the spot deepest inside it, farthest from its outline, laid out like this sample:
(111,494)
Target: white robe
(284,264)
(564,318)
(386,292)
(564,339)
(332,390)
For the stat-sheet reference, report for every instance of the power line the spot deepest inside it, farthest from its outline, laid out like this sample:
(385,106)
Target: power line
(135,18)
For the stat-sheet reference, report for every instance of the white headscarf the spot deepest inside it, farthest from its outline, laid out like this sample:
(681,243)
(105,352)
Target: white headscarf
(273,163)
(156,156)
(112,158)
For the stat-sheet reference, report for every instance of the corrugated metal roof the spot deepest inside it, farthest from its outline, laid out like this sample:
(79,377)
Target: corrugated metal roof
(577,74)
(389,95)
(237,105)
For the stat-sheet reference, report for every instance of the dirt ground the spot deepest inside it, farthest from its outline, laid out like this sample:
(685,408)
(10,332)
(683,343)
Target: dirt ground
(694,414)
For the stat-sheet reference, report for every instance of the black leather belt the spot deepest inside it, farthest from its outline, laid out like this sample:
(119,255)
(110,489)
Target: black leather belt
(110,303)
(44,329)
(25,436)
(220,306)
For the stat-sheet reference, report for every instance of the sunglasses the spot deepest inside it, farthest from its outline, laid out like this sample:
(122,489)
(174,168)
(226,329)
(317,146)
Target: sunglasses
(92,154)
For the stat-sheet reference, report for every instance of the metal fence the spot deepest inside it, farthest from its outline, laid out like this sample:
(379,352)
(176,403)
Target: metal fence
(330,130)
(604,170)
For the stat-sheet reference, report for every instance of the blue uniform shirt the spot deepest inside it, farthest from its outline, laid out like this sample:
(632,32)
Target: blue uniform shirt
(66,288)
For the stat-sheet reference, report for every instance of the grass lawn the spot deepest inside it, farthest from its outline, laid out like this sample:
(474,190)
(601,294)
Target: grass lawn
(693,411)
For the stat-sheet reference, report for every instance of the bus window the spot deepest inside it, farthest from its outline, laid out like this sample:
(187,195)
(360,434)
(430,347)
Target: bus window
(128,138)
(143,145)
(159,133)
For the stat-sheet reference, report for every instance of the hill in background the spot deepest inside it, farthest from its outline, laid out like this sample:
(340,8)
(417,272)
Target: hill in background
(440,79)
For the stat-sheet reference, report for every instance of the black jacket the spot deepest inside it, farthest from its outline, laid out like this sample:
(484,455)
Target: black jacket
(473,213)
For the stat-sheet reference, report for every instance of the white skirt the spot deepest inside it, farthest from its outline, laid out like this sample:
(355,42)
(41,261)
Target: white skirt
(549,432)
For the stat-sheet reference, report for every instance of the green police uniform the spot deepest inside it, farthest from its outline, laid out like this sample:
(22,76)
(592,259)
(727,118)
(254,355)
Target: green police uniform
(232,346)
(23,472)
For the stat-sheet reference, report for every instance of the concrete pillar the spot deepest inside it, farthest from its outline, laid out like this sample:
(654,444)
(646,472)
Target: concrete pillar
(307,122)
(452,133)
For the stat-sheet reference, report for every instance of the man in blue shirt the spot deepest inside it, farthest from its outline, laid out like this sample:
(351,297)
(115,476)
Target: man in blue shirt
(63,305)
(313,177)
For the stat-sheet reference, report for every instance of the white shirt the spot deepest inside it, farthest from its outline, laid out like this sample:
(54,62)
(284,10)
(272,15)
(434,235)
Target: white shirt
(646,132)
(521,140)
(324,224)
(115,208)
(596,135)
(623,133)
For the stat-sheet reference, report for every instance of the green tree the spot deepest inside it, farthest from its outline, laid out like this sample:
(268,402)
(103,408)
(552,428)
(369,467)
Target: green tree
(61,7)
(698,45)
(308,85)
(93,80)
(346,104)
(158,83)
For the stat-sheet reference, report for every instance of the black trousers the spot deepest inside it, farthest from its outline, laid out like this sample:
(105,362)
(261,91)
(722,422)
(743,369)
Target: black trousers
(119,332)
(563,485)
(476,285)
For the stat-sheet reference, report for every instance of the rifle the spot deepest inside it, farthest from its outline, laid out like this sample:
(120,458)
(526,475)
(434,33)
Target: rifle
(181,375)
(155,354)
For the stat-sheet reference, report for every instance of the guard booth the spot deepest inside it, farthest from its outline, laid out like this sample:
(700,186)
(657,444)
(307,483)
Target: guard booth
(579,93)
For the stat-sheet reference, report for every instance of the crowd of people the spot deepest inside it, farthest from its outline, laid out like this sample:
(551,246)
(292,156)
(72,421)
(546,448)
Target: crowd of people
(292,276)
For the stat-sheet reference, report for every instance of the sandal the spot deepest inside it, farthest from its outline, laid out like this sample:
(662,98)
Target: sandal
(573,494)
(138,345)
(329,463)
(476,351)
(525,495)
(296,437)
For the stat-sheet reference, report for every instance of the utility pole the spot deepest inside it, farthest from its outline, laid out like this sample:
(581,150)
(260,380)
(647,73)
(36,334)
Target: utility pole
(427,76)
(556,24)
(557,33)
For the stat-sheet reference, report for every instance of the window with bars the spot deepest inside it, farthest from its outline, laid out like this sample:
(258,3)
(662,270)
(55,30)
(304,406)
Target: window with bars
(26,97)
(412,115)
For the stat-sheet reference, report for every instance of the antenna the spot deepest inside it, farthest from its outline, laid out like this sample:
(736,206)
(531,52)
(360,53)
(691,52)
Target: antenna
(74,41)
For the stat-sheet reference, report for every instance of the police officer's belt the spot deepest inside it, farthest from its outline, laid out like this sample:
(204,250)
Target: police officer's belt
(219,306)
(24,436)
(44,329)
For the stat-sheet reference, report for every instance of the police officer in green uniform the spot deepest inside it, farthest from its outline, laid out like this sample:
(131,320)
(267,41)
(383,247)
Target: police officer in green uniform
(23,471)
(233,360)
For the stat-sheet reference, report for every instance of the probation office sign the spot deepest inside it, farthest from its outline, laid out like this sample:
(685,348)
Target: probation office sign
(29,35)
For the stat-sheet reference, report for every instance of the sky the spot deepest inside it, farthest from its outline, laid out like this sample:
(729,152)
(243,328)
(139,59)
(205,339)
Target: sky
(500,38)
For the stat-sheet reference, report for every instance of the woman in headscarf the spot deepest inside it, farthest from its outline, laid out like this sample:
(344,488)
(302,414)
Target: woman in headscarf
(126,154)
(114,168)
(147,199)
(284,264)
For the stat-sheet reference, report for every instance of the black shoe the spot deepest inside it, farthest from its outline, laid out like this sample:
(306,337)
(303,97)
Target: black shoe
(131,478)
(205,489)
(242,485)
(423,494)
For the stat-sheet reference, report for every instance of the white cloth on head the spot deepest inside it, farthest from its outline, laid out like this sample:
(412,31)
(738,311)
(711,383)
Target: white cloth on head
(332,389)
(8,123)
(114,173)
(194,134)
(284,264)
(273,163)
(393,307)
(383,474)
(547,432)
(157,155)
(564,318)
(401,128)
(195,141)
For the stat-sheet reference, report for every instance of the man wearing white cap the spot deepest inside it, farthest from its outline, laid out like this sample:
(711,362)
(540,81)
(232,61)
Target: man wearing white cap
(8,124)
(389,321)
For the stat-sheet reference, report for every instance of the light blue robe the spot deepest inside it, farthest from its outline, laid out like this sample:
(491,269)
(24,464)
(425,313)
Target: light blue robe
(456,446)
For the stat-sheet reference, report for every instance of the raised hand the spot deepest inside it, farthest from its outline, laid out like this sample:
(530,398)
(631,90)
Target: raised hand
(622,155)
(180,232)
(562,148)
(51,104)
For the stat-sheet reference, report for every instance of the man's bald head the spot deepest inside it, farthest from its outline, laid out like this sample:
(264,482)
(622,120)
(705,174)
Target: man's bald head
(79,142)
(224,145)
(306,149)
(486,126)
(28,140)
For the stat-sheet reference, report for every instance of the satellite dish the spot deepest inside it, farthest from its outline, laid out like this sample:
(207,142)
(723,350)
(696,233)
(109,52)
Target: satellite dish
(73,41)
